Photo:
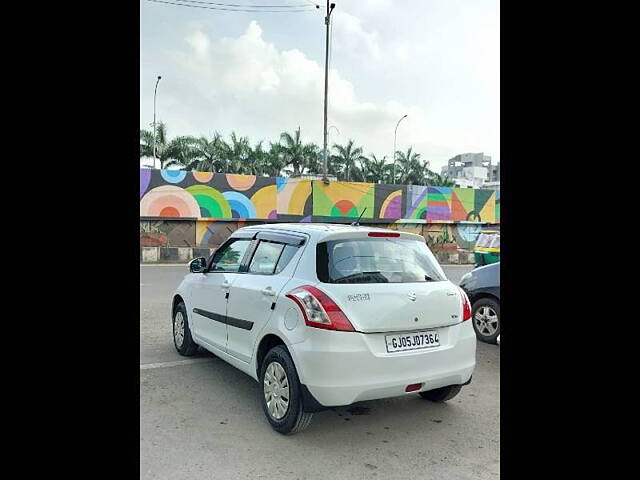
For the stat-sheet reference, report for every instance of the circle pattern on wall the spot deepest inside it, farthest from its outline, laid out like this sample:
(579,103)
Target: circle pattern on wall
(173,176)
(241,182)
(169,201)
(203,177)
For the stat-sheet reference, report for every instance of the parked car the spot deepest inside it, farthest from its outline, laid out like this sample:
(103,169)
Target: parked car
(327,315)
(487,248)
(482,285)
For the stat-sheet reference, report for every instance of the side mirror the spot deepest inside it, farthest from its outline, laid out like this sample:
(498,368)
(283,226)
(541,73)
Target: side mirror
(198,265)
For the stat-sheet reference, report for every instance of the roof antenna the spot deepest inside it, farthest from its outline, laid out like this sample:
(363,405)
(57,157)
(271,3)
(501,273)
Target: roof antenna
(357,222)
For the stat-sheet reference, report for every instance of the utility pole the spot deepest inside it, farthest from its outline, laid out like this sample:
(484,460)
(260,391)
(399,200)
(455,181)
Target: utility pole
(327,19)
(394,148)
(154,121)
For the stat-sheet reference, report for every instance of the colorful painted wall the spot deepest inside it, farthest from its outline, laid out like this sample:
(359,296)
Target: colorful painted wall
(448,237)
(212,198)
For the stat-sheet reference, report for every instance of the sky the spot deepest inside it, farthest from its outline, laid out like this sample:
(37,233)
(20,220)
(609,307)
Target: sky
(260,74)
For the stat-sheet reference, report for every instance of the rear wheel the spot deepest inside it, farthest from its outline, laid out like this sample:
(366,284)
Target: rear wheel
(281,393)
(441,394)
(486,319)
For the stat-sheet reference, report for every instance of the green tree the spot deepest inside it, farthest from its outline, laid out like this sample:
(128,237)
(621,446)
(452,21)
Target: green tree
(347,159)
(235,155)
(207,153)
(275,160)
(442,180)
(177,151)
(409,170)
(376,170)
(297,154)
(181,153)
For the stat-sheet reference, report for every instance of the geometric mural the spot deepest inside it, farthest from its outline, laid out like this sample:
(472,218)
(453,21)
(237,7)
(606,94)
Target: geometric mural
(389,201)
(343,199)
(438,204)
(293,195)
(473,205)
(179,194)
(416,202)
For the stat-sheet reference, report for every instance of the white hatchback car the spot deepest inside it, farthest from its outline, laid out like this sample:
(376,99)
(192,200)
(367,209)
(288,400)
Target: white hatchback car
(327,315)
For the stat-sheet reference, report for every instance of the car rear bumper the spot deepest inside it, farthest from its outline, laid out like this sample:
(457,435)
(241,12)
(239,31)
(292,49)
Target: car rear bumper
(340,368)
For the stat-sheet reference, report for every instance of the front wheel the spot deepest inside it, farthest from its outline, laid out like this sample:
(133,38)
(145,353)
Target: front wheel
(441,394)
(281,393)
(182,333)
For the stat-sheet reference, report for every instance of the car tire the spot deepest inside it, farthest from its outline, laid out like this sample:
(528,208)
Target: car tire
(293,418)
(441,394)
(485,317)
(182,339)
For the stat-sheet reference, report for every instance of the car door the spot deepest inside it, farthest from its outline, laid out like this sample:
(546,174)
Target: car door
(210,292)
(253,295)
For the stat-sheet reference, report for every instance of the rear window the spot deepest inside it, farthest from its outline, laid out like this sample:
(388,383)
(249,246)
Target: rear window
(375,260)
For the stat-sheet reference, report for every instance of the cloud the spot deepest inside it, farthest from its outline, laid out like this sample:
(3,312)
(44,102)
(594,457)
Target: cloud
(353,39)
(248,85)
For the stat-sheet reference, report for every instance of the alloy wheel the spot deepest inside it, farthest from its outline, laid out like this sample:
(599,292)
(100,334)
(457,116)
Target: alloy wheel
(486,320)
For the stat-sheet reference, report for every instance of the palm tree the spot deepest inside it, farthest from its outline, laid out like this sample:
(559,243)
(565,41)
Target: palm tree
(376,170)
(207,153)
(297,154)
(275,160)
(346,159)
(442,180)
(409,167)
(180,153)
(235,155)
(175,152)
(146,144)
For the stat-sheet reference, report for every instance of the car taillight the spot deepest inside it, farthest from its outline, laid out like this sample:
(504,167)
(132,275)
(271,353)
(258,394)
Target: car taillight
(319,310)
(466,305)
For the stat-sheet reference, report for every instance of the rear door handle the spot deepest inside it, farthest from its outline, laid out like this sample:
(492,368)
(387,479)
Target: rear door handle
(268,291)
(226,284)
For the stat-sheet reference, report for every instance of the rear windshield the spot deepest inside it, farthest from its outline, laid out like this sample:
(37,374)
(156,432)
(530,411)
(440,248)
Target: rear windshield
(376,260)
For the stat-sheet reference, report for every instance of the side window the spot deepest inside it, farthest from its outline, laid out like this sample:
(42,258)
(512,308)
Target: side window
(265,257)
(229,257)
(287,254)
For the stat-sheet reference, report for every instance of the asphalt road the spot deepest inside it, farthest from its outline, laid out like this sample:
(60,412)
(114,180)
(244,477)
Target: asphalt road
(201,419)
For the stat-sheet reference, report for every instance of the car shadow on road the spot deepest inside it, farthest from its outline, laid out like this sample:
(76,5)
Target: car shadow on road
(374,418)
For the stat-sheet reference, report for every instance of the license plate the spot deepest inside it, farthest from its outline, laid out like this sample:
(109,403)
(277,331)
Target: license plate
(412,341)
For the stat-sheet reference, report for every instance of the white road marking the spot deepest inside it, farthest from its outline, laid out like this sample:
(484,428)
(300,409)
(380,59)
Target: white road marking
(177,363)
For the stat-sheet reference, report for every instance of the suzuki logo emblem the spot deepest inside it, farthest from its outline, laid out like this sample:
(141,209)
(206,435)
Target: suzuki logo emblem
(412,296)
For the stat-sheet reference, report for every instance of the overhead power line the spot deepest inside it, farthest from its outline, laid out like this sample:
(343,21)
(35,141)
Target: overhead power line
(247,8)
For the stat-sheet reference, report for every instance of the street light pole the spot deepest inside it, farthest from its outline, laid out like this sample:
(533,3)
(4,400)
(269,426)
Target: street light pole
(154,121)
(395,134)
(327,19)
